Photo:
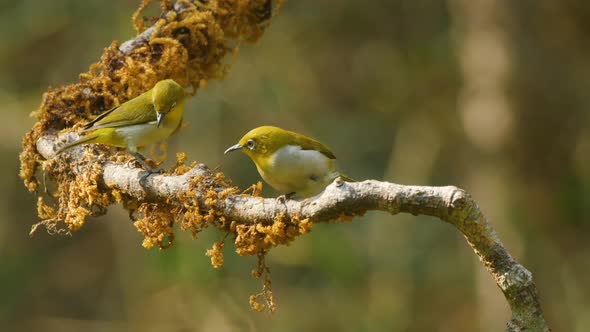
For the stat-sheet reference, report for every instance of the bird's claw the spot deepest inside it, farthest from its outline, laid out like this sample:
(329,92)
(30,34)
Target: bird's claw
(133,163)
(149,171)
(283,198)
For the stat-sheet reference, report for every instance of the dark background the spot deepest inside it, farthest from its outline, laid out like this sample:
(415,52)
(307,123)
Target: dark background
(491,96)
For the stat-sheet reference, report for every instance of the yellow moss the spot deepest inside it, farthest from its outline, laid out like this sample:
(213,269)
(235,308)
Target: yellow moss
(156,224)
(43,210)
(194,218)
(180,159)
(263,300)
(189,47)
(255,238)
(254,190)
(117,195)
(216,254)
(305,226)
(180,167)
(139,21)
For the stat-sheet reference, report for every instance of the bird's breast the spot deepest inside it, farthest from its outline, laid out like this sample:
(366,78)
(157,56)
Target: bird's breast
(292,169)
(147,133)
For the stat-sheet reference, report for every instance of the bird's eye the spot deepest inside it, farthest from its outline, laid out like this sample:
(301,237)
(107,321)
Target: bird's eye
(251,144)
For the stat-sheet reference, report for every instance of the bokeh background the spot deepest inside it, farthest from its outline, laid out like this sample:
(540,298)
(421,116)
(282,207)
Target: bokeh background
(491,96)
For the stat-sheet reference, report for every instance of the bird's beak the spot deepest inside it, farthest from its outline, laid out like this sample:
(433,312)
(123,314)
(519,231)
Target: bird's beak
(159,118)
(233,148)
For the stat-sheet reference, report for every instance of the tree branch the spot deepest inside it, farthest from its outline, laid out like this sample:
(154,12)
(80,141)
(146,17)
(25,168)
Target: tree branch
(340,199)
(449,204)
(144,37)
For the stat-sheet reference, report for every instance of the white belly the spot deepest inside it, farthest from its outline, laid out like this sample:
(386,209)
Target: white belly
(139,135)
(305,172)
(143,134)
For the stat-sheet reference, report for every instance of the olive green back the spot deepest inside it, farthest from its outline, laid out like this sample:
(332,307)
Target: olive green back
(269,139)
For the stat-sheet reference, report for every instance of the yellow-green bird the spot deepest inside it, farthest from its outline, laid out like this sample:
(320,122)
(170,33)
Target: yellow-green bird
(289,162)
(148,118)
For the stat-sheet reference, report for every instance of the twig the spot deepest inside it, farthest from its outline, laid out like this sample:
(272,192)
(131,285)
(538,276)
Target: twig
(144,37)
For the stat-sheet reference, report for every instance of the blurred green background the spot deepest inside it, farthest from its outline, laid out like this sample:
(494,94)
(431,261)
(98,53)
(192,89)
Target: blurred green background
(491,96)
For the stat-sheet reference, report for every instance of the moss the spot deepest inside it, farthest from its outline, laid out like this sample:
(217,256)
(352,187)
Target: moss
(216,254)
(263,300)
(253,239)
(190,47)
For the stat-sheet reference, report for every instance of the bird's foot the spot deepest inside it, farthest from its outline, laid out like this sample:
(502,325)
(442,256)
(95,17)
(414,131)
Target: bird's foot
(150,171)
(283,198)
(134,163)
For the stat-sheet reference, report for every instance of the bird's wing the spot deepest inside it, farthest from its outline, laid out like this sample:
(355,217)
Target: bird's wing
(307,143)
(134,111)
(99,117)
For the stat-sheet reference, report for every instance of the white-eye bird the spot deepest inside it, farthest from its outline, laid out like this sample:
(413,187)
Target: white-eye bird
(148,118)
(289,162)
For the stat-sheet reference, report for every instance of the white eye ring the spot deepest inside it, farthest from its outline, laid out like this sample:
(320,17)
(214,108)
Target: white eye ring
(251,144)
(173,105)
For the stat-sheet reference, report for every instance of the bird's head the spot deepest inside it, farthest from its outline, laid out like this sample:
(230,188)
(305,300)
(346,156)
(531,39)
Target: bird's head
(262,142)
(166,94)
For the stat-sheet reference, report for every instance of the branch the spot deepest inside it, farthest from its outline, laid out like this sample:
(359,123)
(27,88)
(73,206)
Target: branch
(144,37)
(449,204)
(202,61)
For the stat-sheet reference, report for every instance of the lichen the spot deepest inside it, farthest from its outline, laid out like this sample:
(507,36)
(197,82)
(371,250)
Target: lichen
(216,254)
(77,195)
(255,238)
(263,300)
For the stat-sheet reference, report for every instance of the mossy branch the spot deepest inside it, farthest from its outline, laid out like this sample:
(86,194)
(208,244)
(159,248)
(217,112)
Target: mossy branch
(342,201)
(188,43)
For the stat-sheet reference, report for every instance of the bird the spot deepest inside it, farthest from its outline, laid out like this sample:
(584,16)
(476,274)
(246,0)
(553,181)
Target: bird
(148,118)
(291,163)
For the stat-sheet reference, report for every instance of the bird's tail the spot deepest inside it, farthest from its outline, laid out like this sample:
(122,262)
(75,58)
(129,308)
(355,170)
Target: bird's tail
(82,140)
